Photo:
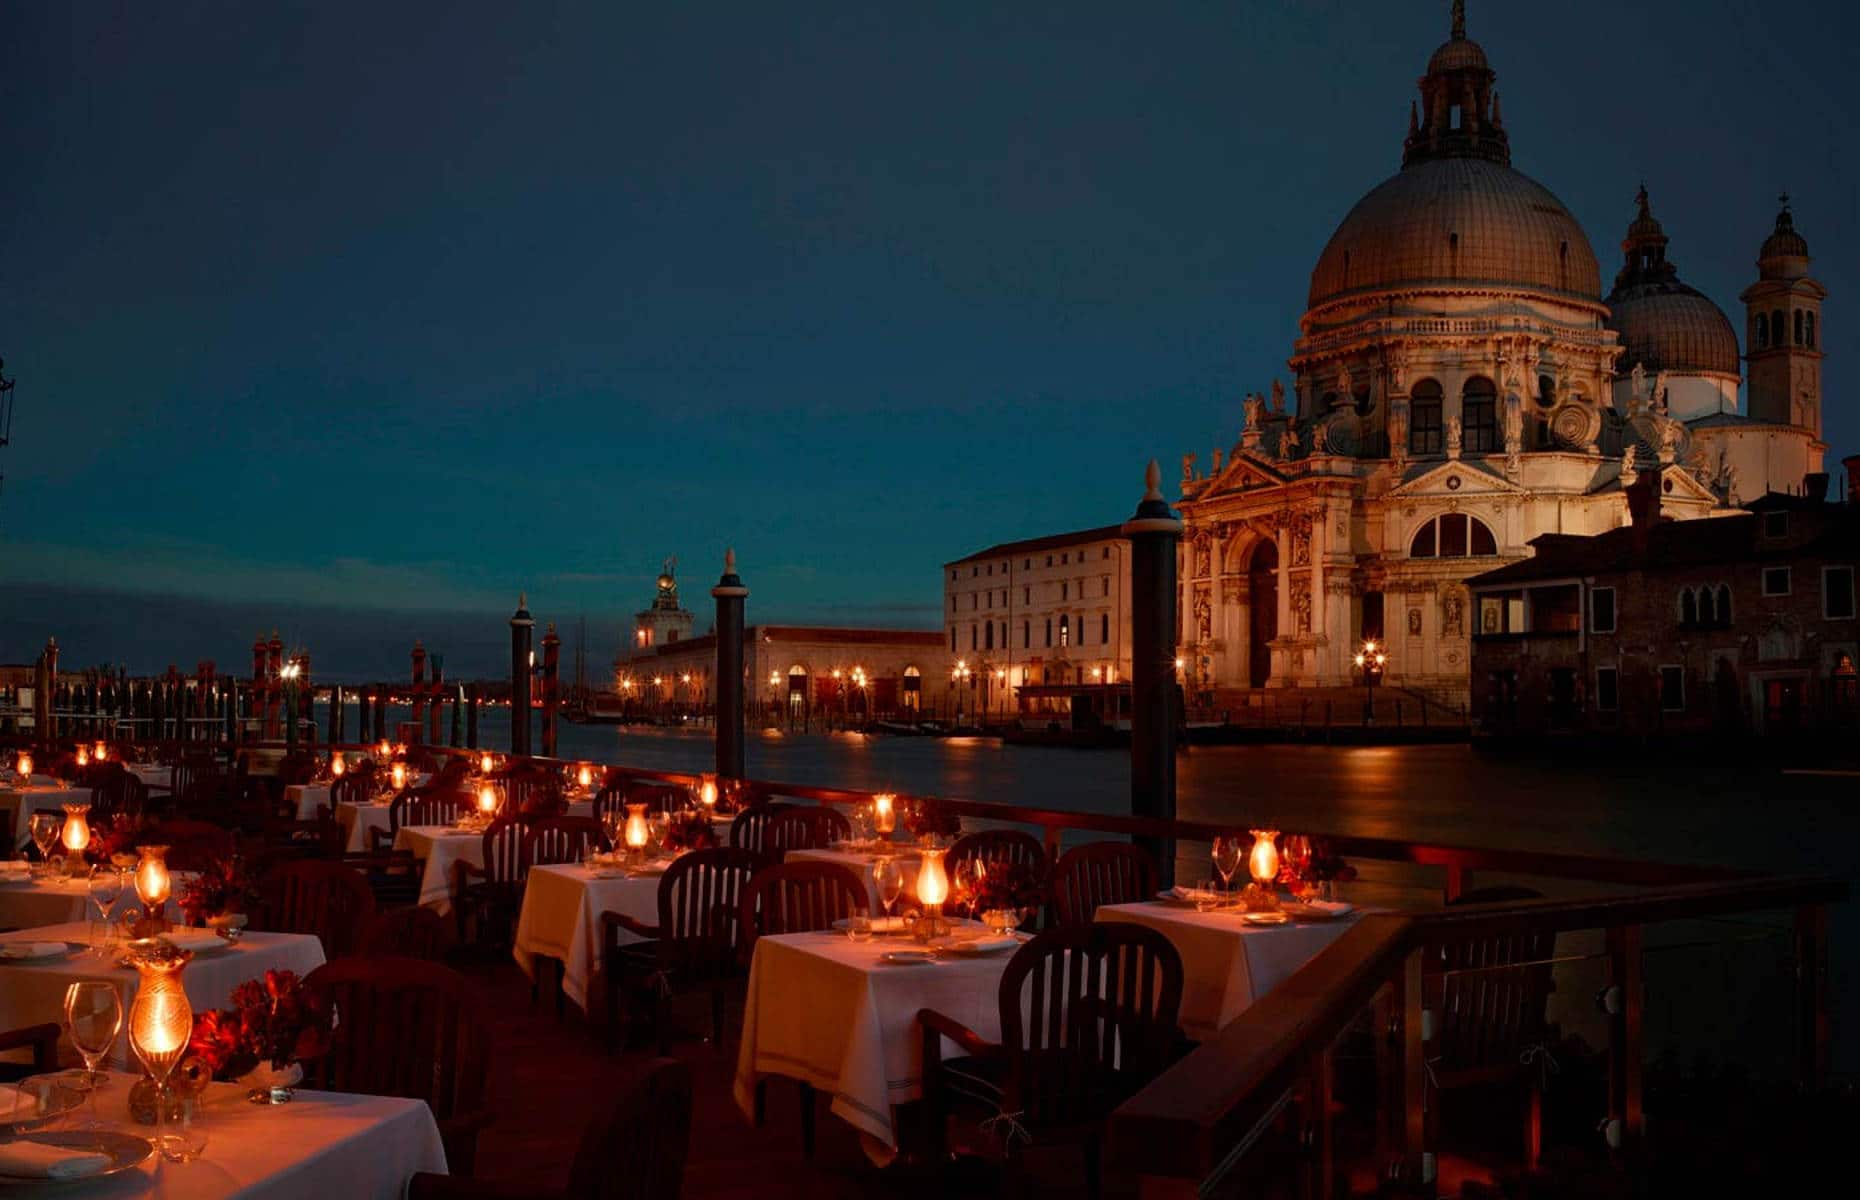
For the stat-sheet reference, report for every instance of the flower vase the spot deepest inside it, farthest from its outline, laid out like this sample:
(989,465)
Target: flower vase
(269,1084)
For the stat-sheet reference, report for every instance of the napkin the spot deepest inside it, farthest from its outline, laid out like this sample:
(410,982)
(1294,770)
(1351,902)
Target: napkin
(15,866)
(195,939)
(890,924)
(1178,892)
(1331,908)
(36,1160)
(28,950)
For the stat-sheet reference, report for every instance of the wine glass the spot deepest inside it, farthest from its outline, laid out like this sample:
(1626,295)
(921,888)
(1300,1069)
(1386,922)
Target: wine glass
(93,1018)
(1297,849)
(888,877)
(972,873)
(614,822)
(1229,853)
(45,828)
(106,886)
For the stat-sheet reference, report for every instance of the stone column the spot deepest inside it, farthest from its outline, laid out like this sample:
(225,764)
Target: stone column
(521,627)
(551,697)
(1154,533)
(335,714)
(437,709)
(731,596)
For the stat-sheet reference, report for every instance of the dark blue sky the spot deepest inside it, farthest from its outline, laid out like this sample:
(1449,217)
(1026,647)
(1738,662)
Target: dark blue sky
(411,306)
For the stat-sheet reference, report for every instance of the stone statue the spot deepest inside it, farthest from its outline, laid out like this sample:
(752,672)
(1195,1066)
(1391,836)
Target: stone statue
(1288,443)
(1452,609)
(1453,436)
(1628,472)
(1514,422)
(1217,460)
(1639,376)
(1346,385)
(670,566)
(1204,617)
(1278,396)
(1414,622)
(1658,398)
(1188,468)
(1255,407)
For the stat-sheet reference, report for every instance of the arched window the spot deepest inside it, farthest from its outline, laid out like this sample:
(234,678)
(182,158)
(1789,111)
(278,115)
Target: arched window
(1424,418)
(1104,628)
(1065,630)
(1724,604)
(1798,327)
(1546,392)
(1688,607)
(1708,606)
(1479,416)
(1808,330)
(989,637)
(1453,535)
(1779,333)
(1762,333)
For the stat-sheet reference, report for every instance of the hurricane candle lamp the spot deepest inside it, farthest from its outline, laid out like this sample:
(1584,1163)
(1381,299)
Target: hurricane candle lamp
(153,886)
(161,1022)
(337,765)
(584,777)
(932,892)
(637,833)
(486,763)
(76,838)
(1262,863)
(23,765)
(100,751)
(83,756)
(885,813)
(707,792)
(398,773)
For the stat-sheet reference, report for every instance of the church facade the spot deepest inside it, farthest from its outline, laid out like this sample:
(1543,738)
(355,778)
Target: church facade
(1461,384)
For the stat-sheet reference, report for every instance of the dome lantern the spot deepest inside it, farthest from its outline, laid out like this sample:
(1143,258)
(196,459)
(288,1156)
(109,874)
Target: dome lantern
(1663,324)
(1459,112)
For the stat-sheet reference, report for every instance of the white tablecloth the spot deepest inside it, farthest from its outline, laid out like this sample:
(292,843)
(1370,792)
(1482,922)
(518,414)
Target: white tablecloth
(561,918)
(56,900)
(31,992)
(1226,965)
(826,1011)
(308,797)
(153,775)
(861,865)
(51,797)
(326,1144)
(438,847)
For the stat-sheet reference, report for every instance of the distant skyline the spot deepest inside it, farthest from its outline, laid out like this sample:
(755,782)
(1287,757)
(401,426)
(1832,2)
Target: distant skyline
(321,307)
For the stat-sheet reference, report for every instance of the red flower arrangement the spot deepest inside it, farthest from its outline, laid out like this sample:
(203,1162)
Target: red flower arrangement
(689,831)
(275,1020)
(119,833)
(1328,866)
(222,888)
(1008,886)
(928,817)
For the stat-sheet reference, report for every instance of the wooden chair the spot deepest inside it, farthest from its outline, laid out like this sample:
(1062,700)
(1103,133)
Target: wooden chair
(416,806)
(694,945)
(634,1147)
(1099,873)
(118,793)
(999,848)
(328,899)
(562,840)
(749,828)
(531,796)
(211,799)
(804,827)
(42,1040)
(413,1029)
(414,931)
(286,835)
(657,797)
(355,787)
(192,845)
(797,897)
(1488,996)
(610,801)
(1088,1017)
(190,767)
(297,768)
(498,893)
(420,759)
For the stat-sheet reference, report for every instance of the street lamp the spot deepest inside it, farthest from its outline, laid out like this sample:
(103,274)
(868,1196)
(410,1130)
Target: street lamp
(1371,660)
(959,674)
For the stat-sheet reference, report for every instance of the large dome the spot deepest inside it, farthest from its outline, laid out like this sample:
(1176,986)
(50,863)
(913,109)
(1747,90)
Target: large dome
(1457,221)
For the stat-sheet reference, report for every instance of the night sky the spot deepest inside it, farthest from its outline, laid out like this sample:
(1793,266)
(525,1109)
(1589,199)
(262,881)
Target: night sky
(325,308)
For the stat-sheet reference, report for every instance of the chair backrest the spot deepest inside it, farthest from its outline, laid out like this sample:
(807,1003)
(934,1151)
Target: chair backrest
(657,797)
(327,899)
(749,828)
(408,931)
(297,768)
(532,795)
(798,897)
(423,807)
(698,905)
(189,767)
(118,793)
(192,845)
(1088,1016)
(354,787)
(1490,993)
(610,800)
(804,827)
(999,848)
(562,840)
(503,852)
(404,1027)
(1100,873)
(635,1145)
(419,758)
(213,799)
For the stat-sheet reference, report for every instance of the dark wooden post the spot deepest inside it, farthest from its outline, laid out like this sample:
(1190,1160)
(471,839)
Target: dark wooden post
(521,627)
(731,596)
(274,664)
(455,736)
(471,717)
(551,687)
(1624,1001)
(45,677)
(335,714)
(439,700)
(1154,533)
(419,691)
(361,713)
(381,713)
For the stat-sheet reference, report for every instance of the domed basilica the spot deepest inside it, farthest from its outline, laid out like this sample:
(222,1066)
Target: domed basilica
(1460,386)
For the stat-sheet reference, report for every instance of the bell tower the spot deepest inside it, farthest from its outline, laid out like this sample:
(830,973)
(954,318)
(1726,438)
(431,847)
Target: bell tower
(1784,331)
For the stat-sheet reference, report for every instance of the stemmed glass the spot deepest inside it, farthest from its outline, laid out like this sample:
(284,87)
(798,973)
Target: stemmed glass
(614,822)
(888,877)
(106,886)
(45,828)
(1297,849)
(972,873)
(93,1018)
(1229,853)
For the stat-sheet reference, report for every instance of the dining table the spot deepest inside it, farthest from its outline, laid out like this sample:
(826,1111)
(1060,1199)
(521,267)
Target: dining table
(28,900)
(861,860)
(320,1144)
(32,990)
(833,1013)
(1227,963)
(561,917)
(22,800)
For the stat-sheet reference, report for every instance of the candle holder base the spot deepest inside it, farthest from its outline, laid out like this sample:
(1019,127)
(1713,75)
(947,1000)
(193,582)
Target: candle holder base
(1259,898)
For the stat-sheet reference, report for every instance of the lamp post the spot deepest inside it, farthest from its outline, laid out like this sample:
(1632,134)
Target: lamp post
(1370,660)
(961,674)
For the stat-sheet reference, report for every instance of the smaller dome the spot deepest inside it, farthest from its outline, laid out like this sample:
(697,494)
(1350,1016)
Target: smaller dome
(1785,242)
(1458,54)
(1667,326)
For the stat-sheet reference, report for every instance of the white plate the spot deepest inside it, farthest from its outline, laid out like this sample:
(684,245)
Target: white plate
(1312,912)
(981,945)
(1265,918)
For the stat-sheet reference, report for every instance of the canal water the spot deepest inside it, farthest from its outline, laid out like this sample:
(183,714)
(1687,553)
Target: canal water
(1659,807)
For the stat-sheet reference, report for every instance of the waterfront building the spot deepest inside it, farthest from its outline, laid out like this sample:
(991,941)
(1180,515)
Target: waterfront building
(1738,623)
(1046,612)
(1462,386)
(667,621)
